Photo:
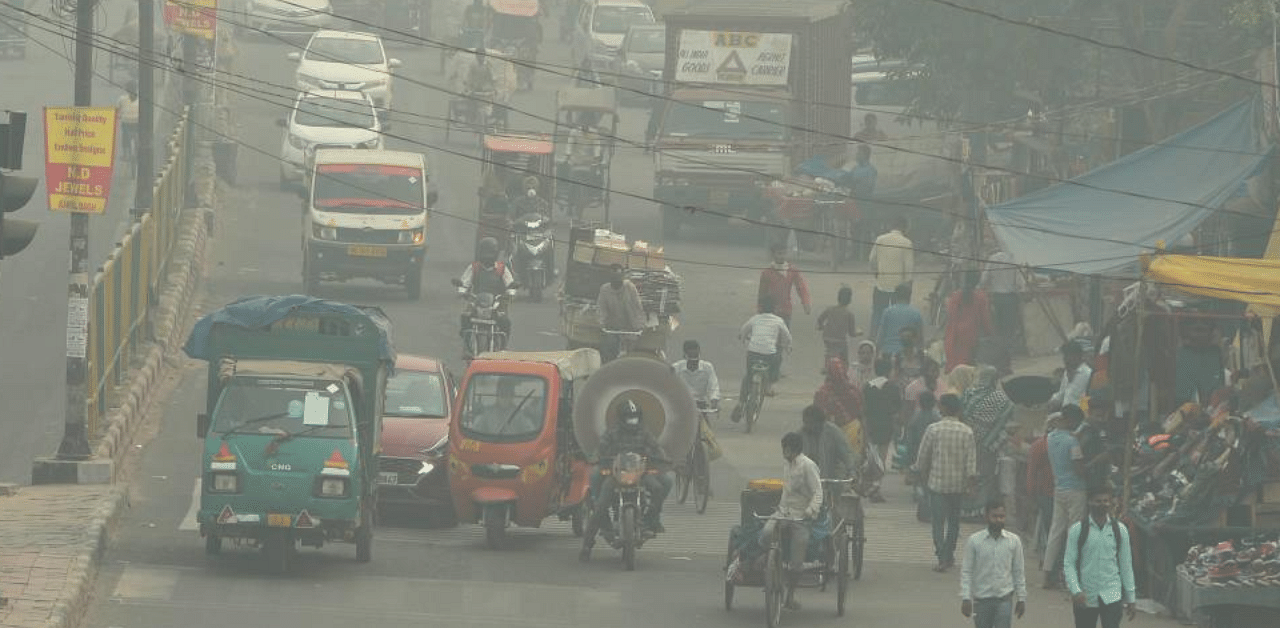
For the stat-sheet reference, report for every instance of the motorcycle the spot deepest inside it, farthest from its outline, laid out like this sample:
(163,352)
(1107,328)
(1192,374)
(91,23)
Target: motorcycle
(484,310)
(533,252)
(630,508)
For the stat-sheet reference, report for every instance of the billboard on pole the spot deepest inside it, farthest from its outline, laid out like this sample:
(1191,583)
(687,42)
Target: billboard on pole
(192,17)
(719,57)
(79,153)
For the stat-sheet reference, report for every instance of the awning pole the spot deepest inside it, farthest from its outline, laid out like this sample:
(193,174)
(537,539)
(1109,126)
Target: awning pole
(1137,395)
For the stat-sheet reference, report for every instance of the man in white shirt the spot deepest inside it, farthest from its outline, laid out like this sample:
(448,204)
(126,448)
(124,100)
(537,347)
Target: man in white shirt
(766,335)
(127,109)
(801,499)
(893,260)
(993,574)
(699,375)
(1075,378)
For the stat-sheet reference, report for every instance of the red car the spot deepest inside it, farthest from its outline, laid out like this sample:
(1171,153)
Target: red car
(415,439)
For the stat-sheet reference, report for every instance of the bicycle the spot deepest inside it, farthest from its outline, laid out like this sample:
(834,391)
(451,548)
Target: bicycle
(695,477)
(754,399)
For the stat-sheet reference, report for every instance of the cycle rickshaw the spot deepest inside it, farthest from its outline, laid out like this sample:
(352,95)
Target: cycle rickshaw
(585,166)
(835,544)
(506,161)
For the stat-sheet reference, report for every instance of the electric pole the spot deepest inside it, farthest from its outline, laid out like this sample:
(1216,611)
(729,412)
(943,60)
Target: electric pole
(144,190)
(75,439)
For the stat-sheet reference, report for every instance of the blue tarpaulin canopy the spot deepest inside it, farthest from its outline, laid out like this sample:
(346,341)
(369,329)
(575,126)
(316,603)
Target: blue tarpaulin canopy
(1105,219)
(259,312)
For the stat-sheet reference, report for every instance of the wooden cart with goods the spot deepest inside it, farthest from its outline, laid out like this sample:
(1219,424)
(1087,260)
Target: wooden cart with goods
(822,217)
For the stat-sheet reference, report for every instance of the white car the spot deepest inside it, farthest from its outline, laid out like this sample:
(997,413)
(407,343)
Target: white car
(288,15)
(600,27)
(325,119)
(347,60)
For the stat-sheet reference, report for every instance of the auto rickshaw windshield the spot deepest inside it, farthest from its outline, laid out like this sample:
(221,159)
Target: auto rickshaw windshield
(415,394)
(277,407)
(504,407)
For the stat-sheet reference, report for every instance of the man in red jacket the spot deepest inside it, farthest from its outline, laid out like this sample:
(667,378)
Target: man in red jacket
(778,280)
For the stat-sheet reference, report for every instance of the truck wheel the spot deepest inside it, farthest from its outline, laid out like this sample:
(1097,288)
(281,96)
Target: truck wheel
(364,536)
(213,545)
(413,284)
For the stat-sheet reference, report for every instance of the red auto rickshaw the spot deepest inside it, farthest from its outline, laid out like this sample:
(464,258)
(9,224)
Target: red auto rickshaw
(513,456)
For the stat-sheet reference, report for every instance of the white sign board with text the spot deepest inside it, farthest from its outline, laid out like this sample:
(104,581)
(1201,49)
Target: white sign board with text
(733,57)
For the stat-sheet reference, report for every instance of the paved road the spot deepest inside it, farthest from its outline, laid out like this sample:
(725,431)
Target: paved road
(33,286)
(157,574)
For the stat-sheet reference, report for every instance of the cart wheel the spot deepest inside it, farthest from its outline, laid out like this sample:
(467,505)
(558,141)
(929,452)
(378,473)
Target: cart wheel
(728,584)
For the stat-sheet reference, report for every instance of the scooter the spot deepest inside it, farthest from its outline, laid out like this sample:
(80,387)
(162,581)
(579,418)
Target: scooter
(533,253)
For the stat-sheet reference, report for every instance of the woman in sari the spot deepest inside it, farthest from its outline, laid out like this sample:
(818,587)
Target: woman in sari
(863,368)
(987,409)
(842,403)
(928,382)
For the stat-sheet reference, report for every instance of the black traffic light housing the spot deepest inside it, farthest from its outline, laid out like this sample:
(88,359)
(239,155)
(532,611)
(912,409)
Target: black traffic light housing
(15,192)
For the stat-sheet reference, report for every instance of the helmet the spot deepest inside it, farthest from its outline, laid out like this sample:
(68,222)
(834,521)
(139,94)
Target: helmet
(629,413)
(487,250)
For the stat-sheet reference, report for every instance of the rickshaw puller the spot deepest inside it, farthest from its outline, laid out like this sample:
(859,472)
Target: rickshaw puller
(801,499)
(626,435)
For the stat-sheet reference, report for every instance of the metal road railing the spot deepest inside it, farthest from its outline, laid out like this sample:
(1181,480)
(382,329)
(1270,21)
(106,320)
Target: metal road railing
(125,291)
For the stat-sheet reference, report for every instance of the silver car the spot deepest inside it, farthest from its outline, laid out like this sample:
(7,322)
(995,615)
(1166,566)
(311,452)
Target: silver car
(325,119)
(288,16)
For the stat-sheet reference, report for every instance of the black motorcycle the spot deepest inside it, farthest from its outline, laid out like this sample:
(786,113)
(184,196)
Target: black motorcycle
(484,334)
(533,255)
(630,508)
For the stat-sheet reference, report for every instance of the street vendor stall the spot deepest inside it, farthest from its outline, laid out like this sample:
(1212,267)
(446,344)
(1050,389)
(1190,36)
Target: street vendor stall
(592,250)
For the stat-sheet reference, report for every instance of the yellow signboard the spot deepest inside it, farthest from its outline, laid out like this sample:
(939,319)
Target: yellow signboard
(80,148)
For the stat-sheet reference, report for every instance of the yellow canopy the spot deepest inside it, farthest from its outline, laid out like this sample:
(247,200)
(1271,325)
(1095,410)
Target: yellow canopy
(1253,281)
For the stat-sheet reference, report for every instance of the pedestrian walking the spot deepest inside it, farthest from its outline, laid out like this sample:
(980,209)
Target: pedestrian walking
(968,322)
(1067,461)
(948,463)
(1040,487)
(838,325)
(1075,377)
(893,261)
(881,407)
(897,317)
(1098,567)
(993,583)
(779,280)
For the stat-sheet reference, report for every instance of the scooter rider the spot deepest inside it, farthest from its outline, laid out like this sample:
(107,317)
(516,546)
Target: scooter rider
(531,202)
(626,435)
(487,275)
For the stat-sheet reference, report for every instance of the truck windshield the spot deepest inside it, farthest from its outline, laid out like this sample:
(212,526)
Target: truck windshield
(280,407)
(726,119)
(504,408)
(614,20)
(415,394)
(369,189)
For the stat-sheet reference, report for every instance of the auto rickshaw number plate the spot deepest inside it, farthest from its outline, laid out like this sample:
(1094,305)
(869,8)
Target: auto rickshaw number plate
(280,521)
(388,477)
(362,250)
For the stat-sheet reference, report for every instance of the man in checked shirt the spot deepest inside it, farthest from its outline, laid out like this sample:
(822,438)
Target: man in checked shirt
(947,462)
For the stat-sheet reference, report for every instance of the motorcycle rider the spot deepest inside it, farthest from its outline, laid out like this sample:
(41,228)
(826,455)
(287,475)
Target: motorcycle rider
(626,435)
(530,202)
(487,275)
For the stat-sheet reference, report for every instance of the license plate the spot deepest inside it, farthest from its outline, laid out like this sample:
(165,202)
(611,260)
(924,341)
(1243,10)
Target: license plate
(360,250)
(280,521)
(388,477)
(719,197)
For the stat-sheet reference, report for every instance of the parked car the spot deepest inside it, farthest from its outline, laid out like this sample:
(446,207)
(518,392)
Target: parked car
(638,66)
(600,27)
(329,119)
(350,61)
(412,467)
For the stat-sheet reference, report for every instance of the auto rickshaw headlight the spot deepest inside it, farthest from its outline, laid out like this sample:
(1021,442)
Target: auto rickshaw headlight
(333,487)
(412,236)
(224,483)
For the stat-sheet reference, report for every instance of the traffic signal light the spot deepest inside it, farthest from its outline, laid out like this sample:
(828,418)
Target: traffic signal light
(15,234)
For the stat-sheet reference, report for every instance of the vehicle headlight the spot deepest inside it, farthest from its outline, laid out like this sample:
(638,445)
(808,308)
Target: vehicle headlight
(297,142)
(333,487)
(426,469)
(224,483)
(373,143)
(412,236)
(322,232)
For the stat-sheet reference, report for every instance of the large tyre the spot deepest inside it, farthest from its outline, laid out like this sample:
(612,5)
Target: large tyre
(495,526)
(364,536)
(212,544)
(629,536)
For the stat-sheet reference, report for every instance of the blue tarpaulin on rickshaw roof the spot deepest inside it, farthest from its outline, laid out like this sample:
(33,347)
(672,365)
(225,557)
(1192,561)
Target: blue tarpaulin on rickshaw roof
(1104,219)
(259,312)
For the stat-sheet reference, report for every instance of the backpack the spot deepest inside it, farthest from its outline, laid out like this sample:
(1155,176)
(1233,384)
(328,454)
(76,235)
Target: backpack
(1085,525)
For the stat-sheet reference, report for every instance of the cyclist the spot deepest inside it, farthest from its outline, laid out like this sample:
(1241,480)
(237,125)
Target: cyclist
(699,375)
(766,335)
(127,111)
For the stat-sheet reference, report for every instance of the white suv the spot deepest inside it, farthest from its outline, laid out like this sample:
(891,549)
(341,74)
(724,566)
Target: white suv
(325,119)
(349,61)
(600,27)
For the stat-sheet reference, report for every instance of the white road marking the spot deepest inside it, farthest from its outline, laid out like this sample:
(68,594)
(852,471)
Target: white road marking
(189,521)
